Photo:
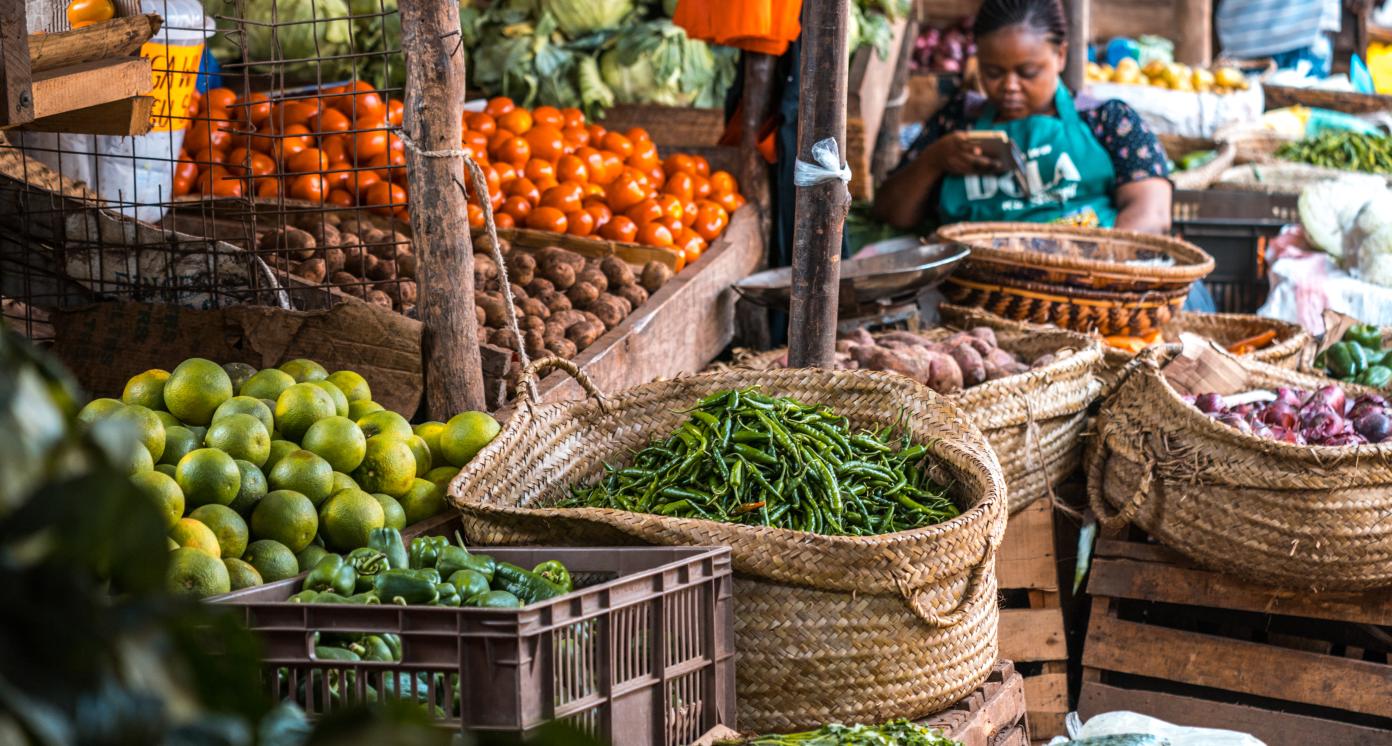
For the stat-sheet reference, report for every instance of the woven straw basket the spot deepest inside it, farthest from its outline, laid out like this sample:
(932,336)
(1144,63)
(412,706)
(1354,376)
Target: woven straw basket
(1288,350)
(1177,146)
(1071,308)
(1315,517)
(1034,420)
(828,628)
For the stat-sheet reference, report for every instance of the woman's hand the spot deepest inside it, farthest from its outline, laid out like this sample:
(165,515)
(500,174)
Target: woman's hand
(956,153)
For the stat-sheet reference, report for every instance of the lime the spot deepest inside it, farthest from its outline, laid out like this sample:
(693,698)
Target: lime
(279,450)
(286,516)
(342,482)
(247,405)
(340,401)
(422,500)
(430,433)
(227,526)
(194,534)
(134,459)
(338,441)
(465,434)
(303,370)
(98,409)
(195,390)
(242,574)
(421,452)
(304,473)
(167,419)
(310,556)
(167,470)
(240,436)
(395,514)
(251,490)
(348,517)
(351,384)
(272,560)
(144,426)
(360,409)
(266,384)
(240,373)
(387,467)
(300,406)
(178,441)
(208,476)
(385,422)
(164,492)
(441,476)
(146,389)
(198,431)
(194,574)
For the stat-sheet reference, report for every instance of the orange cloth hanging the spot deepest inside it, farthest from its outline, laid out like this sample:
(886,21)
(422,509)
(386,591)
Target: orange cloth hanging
(765,26)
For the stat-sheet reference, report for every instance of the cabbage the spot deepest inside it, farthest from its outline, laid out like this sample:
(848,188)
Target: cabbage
(655,62)
(305,30)
(579,17)
(1375,258)
(1329,209)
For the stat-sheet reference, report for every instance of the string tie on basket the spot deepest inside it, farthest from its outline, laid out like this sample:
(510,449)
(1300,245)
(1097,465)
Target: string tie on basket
(826,168)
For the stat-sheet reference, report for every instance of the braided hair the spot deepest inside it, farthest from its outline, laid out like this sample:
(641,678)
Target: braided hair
(1043,16)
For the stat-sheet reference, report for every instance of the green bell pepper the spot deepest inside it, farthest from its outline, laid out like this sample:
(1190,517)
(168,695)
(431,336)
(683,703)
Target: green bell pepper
(495,600)
(1346,360)
(393,642)
(405,587)
(369,563)
(557,573)
(1376,376)
(469,583)
(452,559)
(368,597)
(449,595)
(332,573)
(525,585)
(425,551)
(330,653)
(1364,334)
(303,597)
(373,648)
(388,542)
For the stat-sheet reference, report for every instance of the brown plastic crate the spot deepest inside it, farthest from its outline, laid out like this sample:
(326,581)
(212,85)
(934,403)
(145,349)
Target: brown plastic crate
(641,653)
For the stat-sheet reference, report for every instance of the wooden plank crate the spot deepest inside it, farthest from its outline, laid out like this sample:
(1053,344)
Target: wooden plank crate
(1031,619)
(1199,648)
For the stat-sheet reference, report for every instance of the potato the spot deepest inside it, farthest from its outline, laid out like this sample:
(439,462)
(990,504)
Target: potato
(401,292)
(379,298)
(349,284)
(534,307)
(593,276)
(360,262)
(485,269)
(617,271)
(495,311)
(348,239)
(334,258)
(556,255)
(582,294)
(556,301)
(532,322)
(565,318)
(539,286)
(611,310)
(561,275)
(503,338)
(655,275)
(312,270)
(521,268)
(634,294)
(406,266)
(584,333)
(561,347)
(324,233)
(292,242)
(535,343)
(480,315)
(385,269)
(518,294)
(969,361)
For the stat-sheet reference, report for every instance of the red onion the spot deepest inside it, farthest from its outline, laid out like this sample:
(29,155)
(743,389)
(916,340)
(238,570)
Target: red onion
(1376,427)
(1298,417)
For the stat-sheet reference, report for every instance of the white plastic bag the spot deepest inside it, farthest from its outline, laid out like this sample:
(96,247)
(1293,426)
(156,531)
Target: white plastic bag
(1131,723)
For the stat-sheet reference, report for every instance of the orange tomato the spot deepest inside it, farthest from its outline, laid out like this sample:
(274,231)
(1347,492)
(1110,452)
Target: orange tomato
(256,109)
(655,234)
(680,185)
(673,224)
(182,187)
(723,183)
(547,219)
(220,98)
(573,117)
(503,221)
(268,187)
(517,121)
(545,182)
(617,144)
(309,187)
(367,144)
(546,142)
(480,122)
(538,169)
(475,216)
(517,207)
(730,201)
(671,206)
(579,223)
(565,197)
(186,169)
(515,151)
(216,181)
(656,177)
(691,245)
(498,106)
(702,166)
(597,133)
(572,168)
(576,137)
(613,166)
(594,165)
(711,220)
(523,187)
(491,179)
(620,228)
(397,145)
(362,104)
(702,187)
(645,158)
(331,120)
(600,213)
(287,113)
(293,141)
(476,140)
(625,192)
(505,171)
(549,116)
(336,146)
(207,134)
(689,211)
(87,12)
(207,158)
(384,198)
(594,190)
(679,163)
(638,135)
(309,160)
(359,182)
(340,198)
(645,212)
(396,112)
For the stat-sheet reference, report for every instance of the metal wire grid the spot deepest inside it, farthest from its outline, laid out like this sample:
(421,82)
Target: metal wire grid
(57,251)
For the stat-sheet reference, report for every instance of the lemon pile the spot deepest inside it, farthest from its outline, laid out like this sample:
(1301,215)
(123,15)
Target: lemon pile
(1171,75)
(259,473)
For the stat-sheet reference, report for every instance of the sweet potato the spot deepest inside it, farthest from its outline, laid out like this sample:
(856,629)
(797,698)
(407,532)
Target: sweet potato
(902,337)
(582,294)
(1000,364)
(655,275)
(595,277)
(521,268)
(617,272)
(969,361)
(859,337)
(985,333)
(944,375)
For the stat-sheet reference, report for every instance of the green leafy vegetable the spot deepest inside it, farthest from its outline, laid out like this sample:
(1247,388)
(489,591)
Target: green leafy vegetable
(579,17)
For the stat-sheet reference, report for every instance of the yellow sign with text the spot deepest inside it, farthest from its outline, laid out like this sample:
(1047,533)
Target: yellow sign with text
(175,72)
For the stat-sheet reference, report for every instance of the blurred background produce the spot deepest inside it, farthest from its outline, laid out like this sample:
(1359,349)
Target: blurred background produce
(1171,75)
(943,50)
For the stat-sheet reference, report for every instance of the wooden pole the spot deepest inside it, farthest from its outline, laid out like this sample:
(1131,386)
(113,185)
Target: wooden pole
(820,210)
(439,217)
(1078,32)
(756,103)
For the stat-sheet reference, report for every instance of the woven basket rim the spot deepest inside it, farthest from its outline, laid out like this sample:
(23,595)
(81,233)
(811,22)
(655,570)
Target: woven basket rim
(1287,333)
(1193,262)
(1078,296)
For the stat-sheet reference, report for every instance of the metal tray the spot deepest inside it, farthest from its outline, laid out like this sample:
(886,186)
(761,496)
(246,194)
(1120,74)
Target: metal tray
(890,270)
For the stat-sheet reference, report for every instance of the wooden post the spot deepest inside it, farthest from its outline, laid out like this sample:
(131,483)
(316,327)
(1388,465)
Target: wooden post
(751,320)
(439,219)
(820,210)
(1195,45)
(1078,31)
(887,148)
(16,96)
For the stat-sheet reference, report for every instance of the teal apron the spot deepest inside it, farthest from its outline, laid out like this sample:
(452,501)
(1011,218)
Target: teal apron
(1070,174)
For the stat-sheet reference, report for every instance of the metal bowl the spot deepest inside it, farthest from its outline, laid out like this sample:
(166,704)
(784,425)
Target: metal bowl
(897,269)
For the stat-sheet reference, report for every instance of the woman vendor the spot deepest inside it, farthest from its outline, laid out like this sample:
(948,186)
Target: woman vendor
(1090,163)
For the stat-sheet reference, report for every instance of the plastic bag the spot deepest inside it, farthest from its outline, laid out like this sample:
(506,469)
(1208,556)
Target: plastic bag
(1148,730)
(827,167)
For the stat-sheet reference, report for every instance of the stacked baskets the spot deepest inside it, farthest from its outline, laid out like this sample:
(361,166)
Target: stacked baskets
(1085,279)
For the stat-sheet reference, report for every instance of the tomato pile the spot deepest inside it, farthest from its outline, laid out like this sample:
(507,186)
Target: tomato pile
(546,168)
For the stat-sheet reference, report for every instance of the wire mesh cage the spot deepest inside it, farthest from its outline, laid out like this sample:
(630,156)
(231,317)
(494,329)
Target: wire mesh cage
(269,174)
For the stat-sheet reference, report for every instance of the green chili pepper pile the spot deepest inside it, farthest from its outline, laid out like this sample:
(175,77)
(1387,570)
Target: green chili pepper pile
(748,458)
(893,733)
(1349,151)
(431,572)
(1358,357)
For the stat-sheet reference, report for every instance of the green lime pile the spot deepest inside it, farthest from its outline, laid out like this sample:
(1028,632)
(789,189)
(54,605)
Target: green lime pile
(259,473)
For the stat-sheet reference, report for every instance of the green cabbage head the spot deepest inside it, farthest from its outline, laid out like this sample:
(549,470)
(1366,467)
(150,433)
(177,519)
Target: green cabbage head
(579,17)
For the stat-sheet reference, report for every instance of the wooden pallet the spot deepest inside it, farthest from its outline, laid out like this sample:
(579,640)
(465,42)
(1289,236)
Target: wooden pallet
(992,715)
(1195,647)
(1031,621)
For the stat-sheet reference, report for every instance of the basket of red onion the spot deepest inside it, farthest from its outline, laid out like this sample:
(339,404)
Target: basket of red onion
(1287,483)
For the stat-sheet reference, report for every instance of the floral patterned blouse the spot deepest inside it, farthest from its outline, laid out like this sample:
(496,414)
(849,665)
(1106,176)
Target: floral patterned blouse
(1136,153)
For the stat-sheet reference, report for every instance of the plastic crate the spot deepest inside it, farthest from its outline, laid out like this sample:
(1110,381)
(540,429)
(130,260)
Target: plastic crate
(641,653)
(1234,227)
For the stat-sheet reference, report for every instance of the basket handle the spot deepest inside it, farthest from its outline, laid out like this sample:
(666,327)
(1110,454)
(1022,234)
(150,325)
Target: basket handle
(526,384)
(1096,467)
(972,595)
(1150,356)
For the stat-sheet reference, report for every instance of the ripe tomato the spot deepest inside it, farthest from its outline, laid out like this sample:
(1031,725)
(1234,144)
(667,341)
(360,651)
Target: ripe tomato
(309,160)
(506,172)
(625,192)
(671,206)
(256,109)
(186,169)
(572,168)
(579,223)
(549,116)
(205,158)
(638,135)
(620,228)
(331,120)
(359,182)
(547,219)
(601,215)
(515,151)
(340,198)
(711,220)
(182,187)
(617,144)
(702,187)
(220,98)
(475,216)
(594,190)
(645,212)
(680,185)
(573,117)
(655,234)
(565,197)
(503,221)
(656,177)
(689,211)
(731,201)
(517,121)
(309,187)
(679,163)
(480,122)
(498,106)
(476,140)
(361,104)
(723,183)
(594,165)
(538,169)
(367,144)
(217,181)
(546,142)
(287,113)
(613,166)
(294,140)
(396,112)
(384,198)
(517,207)
(597,133)
(576,137)
(692,245)
(702,166)
(207,134)
(645,158)
(523,187)
(268,187)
